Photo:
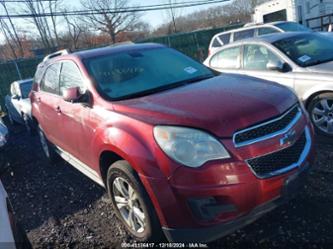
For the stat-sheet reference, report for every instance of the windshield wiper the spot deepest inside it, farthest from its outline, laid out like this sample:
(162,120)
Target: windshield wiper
(168,87)
(317,62)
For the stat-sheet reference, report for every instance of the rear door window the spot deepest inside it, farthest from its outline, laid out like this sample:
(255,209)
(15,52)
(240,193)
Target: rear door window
(256,57)
(226,59)
(240,35)
(50,81)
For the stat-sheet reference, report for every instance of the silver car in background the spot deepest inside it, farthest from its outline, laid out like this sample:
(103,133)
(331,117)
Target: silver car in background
(3,134)
(11,234)
(18,103)
(253,30)
(303,61)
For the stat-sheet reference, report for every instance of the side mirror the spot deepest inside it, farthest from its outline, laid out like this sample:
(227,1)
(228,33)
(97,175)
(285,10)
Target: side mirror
(34,87)
(16,97)
(71,94)
(278,66)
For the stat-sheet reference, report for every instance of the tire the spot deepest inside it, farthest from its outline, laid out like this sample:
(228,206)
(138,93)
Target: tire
(321,113)
(149,229)
(47,147)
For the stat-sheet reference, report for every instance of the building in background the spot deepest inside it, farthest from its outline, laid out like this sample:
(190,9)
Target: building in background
(316,14)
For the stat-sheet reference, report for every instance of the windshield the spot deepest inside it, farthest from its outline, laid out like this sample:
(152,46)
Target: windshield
(142,72)
(292,27)
(307,49)
(25,89)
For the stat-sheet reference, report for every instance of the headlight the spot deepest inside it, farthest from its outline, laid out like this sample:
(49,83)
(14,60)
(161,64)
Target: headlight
(189,147)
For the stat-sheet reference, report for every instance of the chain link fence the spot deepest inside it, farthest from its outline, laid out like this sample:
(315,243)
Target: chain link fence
(15,70)
(194,44)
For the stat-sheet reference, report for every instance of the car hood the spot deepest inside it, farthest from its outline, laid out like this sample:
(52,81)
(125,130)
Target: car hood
(220,105)
(324,68)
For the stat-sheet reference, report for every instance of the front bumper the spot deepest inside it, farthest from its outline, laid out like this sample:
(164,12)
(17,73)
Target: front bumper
(291,186)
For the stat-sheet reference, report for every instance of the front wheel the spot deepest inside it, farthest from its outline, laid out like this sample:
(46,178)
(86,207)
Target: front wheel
(321,113)
(131,203)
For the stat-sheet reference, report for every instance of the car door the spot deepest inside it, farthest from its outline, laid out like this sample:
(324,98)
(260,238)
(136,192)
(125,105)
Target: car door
(256,58)
(48,102)
(226,60)
(73,115)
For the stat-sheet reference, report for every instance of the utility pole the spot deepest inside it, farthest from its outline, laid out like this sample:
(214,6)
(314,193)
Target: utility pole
(173,16)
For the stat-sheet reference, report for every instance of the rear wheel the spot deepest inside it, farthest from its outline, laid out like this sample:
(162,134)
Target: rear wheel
(47,147)
(131,203)
(321,113)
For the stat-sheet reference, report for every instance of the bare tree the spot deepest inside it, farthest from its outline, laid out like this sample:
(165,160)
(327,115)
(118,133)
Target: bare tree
(47,32)
(54,5)
(173,15)
(13,33)
(110,23)
(6,32)
(75,28)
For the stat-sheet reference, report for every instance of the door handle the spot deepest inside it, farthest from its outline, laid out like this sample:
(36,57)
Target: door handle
(58,109)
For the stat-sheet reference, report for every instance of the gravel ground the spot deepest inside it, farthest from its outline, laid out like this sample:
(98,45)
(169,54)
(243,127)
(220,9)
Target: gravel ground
(60,208)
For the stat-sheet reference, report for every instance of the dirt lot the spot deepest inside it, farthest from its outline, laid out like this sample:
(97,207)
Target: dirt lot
(61,208)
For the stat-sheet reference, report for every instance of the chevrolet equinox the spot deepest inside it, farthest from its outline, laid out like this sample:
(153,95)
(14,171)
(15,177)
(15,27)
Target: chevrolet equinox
(182,152)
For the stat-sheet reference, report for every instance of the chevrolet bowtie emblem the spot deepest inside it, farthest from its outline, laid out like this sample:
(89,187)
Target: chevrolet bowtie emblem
(289,138)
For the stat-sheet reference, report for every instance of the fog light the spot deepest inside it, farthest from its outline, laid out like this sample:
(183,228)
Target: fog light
(209,208)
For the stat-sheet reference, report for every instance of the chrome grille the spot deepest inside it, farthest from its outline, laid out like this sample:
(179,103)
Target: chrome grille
(267,129)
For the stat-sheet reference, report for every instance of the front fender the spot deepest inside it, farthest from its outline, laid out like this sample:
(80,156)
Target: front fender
(328,87)
(132,144)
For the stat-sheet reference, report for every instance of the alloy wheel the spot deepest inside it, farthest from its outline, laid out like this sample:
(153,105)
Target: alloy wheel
(128,204)
(322,115)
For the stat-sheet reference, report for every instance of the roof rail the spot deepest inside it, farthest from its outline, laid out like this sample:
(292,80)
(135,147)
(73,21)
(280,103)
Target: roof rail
(121,43)
(55,54)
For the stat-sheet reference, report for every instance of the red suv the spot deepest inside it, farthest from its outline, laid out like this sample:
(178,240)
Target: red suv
(178,149)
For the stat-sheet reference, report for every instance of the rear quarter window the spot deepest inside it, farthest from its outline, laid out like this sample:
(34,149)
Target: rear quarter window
(225,38)
(216,43)
(50,81)
(226,59)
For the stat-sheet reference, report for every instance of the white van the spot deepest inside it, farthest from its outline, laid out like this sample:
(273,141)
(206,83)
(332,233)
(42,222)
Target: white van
(253,30)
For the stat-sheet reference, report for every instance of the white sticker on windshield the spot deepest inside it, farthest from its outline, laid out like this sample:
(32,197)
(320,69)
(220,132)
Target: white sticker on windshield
(304,58)
(190,70)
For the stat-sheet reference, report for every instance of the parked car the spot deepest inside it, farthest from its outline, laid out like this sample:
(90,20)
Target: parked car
(18,103)
(301,61)
(3,134)
(175,146)
(253,30)
(12,236)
